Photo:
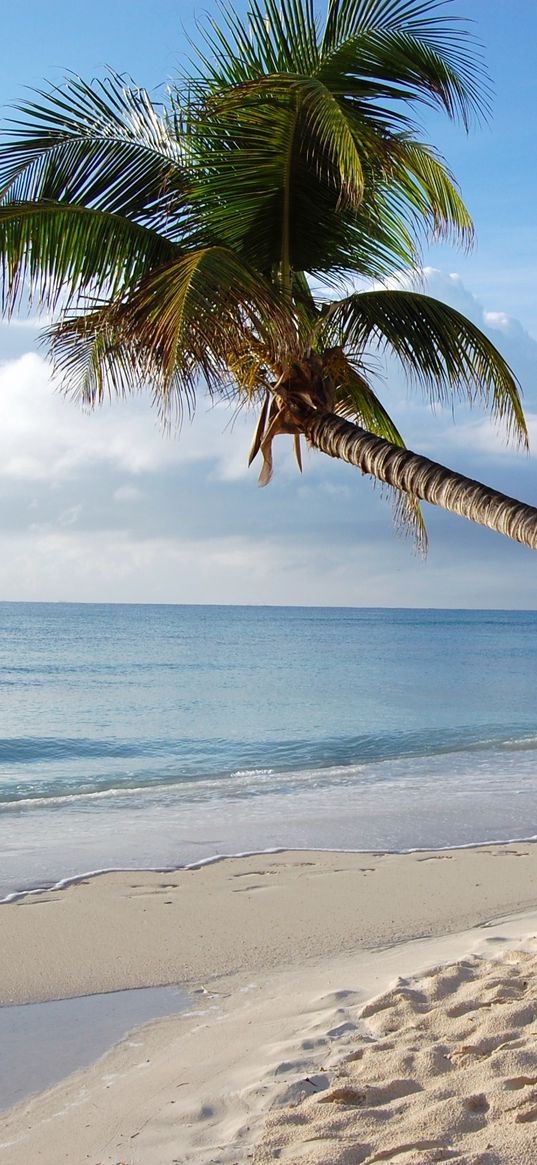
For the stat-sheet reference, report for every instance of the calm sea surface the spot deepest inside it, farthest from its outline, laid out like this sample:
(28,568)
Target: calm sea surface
(164,735)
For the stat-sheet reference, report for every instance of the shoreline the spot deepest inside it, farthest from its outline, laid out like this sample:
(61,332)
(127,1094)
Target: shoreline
(249,914)
(281,951)
(65,883)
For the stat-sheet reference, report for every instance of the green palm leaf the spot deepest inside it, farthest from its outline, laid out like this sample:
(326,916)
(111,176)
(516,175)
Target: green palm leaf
(356,400)
(188,319)
(91,360)
(285,167)
(304,104)
(439,348)
(275,38)
(344,17)
(104,145)
(52,251)
(430,193)
(420,53)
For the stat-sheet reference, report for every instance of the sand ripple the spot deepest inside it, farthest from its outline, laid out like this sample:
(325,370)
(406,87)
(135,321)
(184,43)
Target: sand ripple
(445,1069)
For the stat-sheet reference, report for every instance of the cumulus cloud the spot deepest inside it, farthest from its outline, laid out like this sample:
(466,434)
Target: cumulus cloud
(485,439)
(46,437)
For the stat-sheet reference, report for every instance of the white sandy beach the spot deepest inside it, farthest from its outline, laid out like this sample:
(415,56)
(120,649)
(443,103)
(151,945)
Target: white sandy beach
(284,1056)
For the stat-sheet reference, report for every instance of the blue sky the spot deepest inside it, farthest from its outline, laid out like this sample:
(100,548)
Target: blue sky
(106,508)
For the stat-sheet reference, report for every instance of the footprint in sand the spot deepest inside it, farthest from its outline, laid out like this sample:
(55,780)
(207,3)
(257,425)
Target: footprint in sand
(435,1090)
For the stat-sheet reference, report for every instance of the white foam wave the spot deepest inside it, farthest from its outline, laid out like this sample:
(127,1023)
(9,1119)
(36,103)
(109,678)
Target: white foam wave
(205,787)
(76,879)
(253,773)
(520,742)
(265,781)
(93,795)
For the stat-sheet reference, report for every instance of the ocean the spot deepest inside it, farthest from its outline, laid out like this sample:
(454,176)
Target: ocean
(160,736)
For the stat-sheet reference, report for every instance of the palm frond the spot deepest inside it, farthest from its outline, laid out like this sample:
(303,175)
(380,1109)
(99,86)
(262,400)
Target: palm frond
(189,319)
(429,191)
(104,145)
(53,251)
(325,135)
(285,167)
(414,50)
(408,517)
(260,428)
(442,351)
(91,360)
(355,398)
(275,37)
(344,17)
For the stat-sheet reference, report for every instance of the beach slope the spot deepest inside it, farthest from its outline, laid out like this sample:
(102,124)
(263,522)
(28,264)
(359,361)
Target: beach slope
(284,1056)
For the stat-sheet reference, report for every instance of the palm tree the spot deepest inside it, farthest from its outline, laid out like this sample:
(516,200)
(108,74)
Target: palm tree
(202,239)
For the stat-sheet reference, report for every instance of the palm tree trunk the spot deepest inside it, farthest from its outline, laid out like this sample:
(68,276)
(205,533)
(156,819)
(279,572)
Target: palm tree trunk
(421,477)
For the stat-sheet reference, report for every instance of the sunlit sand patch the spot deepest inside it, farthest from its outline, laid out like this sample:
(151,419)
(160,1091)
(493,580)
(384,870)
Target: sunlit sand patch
(444,1069)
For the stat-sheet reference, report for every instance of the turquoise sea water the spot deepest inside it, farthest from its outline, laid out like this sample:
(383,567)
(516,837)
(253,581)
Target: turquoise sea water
(165,735)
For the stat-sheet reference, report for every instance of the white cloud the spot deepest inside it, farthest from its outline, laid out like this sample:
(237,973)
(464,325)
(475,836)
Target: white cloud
(484,438)
(31,324)
(70,516)
(128,493)
(502,322)
(104,566)
(433,428)
(99,566)
(46,437)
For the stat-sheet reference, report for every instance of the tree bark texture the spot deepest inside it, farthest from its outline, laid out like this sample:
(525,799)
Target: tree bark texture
(423,478)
